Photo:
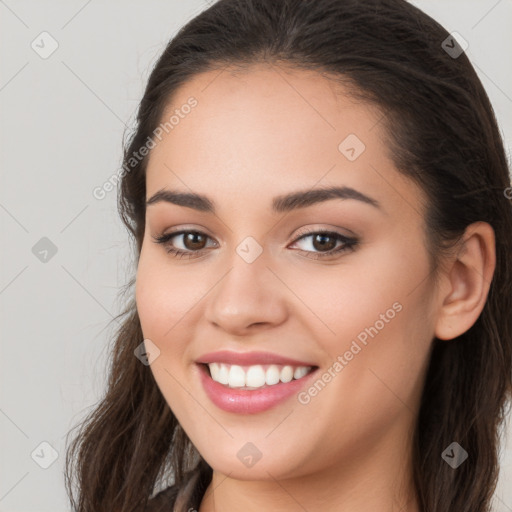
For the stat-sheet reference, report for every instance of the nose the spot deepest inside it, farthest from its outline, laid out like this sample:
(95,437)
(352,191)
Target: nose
(249,296)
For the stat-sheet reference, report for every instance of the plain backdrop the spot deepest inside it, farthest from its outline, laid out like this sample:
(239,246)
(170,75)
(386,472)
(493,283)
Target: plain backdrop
(64,254)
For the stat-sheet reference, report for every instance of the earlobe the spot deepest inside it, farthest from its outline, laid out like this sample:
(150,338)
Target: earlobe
(469,275)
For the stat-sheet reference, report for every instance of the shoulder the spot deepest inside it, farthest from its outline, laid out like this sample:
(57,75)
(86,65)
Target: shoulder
(185,495)
(163,500)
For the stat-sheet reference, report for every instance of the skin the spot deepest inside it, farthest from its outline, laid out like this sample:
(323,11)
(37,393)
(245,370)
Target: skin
(255,135)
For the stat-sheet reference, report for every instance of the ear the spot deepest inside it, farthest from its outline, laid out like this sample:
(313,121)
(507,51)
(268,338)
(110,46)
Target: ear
(468,280)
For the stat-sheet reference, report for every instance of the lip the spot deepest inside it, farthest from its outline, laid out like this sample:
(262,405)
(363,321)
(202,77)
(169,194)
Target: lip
(249,358)
(243,401)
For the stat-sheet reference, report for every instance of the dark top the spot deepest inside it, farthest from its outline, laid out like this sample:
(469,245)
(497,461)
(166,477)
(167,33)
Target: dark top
(186,498)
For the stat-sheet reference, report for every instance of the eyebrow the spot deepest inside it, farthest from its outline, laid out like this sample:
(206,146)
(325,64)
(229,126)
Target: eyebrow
(280,204)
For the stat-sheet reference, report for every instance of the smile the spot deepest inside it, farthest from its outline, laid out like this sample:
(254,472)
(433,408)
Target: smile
(255,376)
(243,399)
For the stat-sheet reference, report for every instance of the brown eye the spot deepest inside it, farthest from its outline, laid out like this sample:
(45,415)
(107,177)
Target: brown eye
(324,242)
(194,241)
(191,244)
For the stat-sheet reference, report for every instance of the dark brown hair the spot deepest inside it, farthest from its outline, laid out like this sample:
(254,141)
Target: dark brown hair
(442,133)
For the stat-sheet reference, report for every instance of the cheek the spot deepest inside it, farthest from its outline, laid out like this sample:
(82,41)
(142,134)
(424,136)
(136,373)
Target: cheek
(379,323)
(164,296)
(377,381)
(385,352)
(367,288)
(162,301)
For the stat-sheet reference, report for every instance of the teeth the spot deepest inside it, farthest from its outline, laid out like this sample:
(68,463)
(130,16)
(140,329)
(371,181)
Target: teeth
(272,375)
(286,374)
(255,376)
(236,377)
(222,373)
(300,372)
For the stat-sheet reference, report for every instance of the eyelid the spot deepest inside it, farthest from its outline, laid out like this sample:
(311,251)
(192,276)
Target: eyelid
(181,228)
(306,230)
(349,243)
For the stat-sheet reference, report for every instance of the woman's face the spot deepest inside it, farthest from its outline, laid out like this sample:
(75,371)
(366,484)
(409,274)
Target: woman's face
(363,316)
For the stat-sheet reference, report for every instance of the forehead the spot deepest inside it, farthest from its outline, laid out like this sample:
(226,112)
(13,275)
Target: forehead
(272,105)
(267,127)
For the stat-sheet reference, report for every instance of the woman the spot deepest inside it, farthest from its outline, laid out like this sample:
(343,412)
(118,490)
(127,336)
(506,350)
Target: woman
(321,319)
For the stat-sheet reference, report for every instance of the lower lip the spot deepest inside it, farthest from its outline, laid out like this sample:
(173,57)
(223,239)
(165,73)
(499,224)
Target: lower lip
(244,401)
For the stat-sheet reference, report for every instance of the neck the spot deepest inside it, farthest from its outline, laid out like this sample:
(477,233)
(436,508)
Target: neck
(380,480)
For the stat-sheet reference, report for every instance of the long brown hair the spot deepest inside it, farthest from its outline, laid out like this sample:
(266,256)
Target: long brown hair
(442,134)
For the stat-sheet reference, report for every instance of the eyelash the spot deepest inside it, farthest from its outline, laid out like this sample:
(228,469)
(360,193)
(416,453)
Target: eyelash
(349,243)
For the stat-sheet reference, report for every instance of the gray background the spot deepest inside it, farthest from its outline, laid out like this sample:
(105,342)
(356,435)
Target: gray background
(62,121)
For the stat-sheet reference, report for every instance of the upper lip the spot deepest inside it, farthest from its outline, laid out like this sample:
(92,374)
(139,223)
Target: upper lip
(249,358)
